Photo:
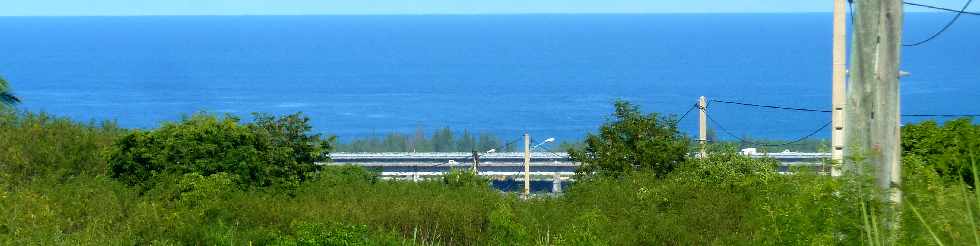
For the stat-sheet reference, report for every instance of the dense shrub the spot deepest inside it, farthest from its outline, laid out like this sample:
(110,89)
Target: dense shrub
(268,151)
(345,174)
(37,146)
(504,228)
(442,140)
(724,199)
(729,169)
(633,141)
(336,234)
(950,148)
(76,211)
(460,177)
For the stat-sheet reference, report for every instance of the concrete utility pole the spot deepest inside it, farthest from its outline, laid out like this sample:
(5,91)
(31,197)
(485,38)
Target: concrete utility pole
(872,114)
(703,126)
(839,76)
(527,165)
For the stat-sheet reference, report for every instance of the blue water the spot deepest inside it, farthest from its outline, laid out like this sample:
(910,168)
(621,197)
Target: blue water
(552,75)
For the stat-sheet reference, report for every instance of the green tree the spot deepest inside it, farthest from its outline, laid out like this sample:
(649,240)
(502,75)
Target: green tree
(269,151)
(487,142)
(632,142)
(7,97)
(396,142)
(466,142)
(442,140)
(35,146)
(950,148)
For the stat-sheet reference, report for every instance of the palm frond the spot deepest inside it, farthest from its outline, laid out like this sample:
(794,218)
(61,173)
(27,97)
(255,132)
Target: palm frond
(8,99)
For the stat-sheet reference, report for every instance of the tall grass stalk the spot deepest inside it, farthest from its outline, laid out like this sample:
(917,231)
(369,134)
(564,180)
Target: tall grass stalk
(874,225)
(867,223)
(969,210)
(976,192)
(976,181)
(924,223)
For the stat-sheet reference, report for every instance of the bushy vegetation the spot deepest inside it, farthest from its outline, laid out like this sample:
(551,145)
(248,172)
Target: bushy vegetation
(442,140)
(268,151)
(949,148)
(38,145)
(633,141)
(58,187)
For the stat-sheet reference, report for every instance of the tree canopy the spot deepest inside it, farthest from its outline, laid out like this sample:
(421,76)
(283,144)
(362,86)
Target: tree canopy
(950,148)
(633,141)
(268,151)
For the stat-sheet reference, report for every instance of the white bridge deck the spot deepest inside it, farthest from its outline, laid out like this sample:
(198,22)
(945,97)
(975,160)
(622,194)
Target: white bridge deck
(543,164)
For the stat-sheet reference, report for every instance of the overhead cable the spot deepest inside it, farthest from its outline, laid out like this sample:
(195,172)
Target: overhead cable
(946,27)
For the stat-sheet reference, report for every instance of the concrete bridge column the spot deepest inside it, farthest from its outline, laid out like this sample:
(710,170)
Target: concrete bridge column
(556,184)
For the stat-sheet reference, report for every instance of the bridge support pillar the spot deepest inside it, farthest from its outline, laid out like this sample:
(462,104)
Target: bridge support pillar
(556,184)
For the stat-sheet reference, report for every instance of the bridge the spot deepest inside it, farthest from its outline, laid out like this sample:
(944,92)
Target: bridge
(499,165)
(544,165)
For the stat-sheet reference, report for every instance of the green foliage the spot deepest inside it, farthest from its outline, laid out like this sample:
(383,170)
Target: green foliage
(586,229)
(724,199)
(196,190)
(948,148)
(937,209)
(7,98)
(466,142)
(443,140)
(345,174)
(729,169)
(269,151)
(464,178)
(39,146)
(310,234)
(633,141)
(504,228)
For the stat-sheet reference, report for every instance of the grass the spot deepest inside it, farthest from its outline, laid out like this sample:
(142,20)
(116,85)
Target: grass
(736,207)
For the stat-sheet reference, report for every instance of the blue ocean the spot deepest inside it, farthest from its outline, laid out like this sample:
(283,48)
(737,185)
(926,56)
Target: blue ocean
(550,75)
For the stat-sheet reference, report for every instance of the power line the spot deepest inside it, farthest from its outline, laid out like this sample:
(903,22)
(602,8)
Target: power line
(828,111)
(552,152)
(772,107)
(688,112)
(941,8)
(804,137)
(951,22)
(801,139)
(507,145)
(724,130)
(941,115)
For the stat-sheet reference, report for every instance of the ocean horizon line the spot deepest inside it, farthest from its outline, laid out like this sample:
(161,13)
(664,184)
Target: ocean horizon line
(442,14)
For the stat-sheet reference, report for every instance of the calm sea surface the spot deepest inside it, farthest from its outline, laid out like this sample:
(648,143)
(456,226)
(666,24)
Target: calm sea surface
(552,75)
